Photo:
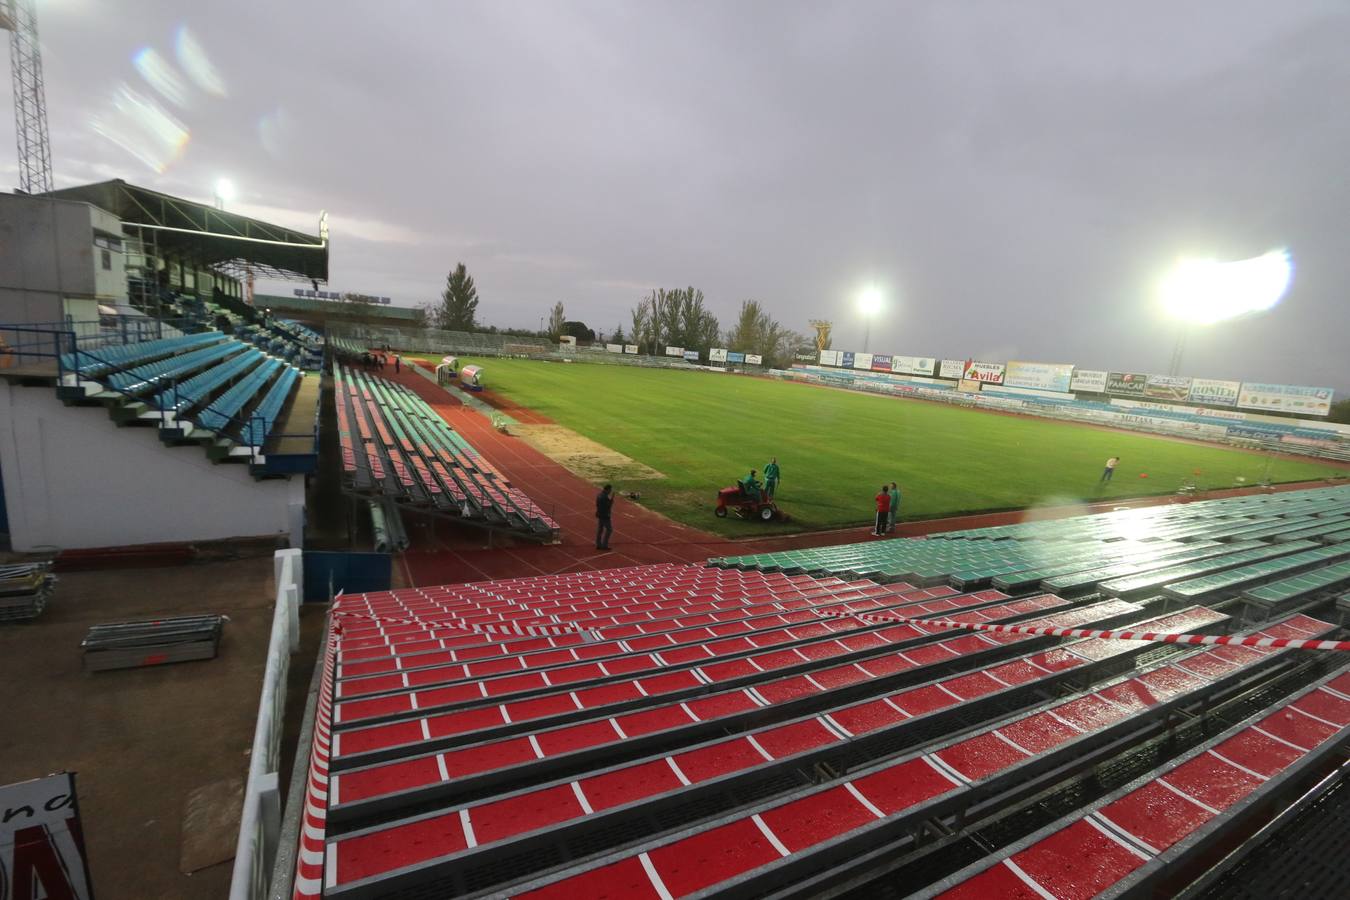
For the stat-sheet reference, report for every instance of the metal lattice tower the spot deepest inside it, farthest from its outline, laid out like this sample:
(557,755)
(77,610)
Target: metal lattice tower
(19,17)
(822,328)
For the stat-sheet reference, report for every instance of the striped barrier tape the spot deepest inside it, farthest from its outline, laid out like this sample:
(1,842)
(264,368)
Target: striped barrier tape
(1232,640)
(309,861)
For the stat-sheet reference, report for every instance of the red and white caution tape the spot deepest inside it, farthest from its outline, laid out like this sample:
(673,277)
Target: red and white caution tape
(309,861)
(557,630)
(1223,639)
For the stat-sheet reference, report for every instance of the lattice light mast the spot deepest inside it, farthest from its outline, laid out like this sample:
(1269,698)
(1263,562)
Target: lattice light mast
(822,328)
(19,18)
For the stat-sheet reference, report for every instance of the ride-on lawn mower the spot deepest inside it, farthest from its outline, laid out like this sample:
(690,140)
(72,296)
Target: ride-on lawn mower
(733,498)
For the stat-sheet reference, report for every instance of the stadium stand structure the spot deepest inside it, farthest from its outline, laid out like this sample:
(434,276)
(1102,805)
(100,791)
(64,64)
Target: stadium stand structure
(768,726)
(207,388)
(395,446)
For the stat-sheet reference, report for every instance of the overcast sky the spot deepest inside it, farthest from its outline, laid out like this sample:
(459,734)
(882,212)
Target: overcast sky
(1015,176)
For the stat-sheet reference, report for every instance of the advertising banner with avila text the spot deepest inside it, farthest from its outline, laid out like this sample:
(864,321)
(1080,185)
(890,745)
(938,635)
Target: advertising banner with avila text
(1291,398)
(1126,384)
(985,373)
(1175,388)
(1091,381)
(1039,376)
(916,365)
(952,368)
(1218,393)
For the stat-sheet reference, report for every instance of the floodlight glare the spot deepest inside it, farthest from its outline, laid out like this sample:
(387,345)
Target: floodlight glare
(1205,291)
(869,302)
(225,189)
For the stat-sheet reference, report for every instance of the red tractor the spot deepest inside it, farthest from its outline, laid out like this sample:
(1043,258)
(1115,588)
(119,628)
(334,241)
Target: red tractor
(735,499)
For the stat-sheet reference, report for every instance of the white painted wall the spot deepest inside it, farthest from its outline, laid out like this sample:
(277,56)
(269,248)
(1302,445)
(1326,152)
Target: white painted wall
(74,479)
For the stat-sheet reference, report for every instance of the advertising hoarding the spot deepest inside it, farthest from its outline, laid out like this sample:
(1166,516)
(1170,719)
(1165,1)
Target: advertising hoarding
(674,351)
(862,360)
(880,363)
(717,354)
(984,372)
(952,368)
(1039,376)
(614,348)
(630,348)
(691,355)
(1290,398)
(1126,384)
(734,356)
(754,359)
(41,841)
(1091,381)
(913,365)
(1213,391)
(846,359)
(829,357)
(1175,388)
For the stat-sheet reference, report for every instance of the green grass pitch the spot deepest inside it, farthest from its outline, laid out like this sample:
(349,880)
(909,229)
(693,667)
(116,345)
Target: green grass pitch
(705,430)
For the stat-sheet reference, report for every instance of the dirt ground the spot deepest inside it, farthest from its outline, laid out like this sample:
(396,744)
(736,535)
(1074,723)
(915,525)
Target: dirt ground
(142,739)
(582,456)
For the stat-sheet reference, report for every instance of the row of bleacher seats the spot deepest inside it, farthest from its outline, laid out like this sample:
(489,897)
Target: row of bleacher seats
(204,387)
(670,730)
(394,445)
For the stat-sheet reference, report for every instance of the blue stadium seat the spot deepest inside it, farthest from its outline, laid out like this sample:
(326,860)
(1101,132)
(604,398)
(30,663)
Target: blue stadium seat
(264,416)
(218,414)
(106,359)
(195,390)
(164,371)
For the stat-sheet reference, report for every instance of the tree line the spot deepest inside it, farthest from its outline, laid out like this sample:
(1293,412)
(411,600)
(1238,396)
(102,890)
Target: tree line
(675,317)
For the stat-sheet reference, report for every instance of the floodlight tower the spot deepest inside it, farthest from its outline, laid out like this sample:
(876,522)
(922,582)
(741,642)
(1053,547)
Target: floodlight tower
(19,18)
(822,328)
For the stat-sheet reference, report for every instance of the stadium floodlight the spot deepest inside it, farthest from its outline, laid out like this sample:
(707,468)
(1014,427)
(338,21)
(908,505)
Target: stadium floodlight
(1205,291)
(869,304)
(224,192)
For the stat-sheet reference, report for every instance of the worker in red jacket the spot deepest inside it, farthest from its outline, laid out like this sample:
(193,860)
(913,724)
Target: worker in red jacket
(883,509)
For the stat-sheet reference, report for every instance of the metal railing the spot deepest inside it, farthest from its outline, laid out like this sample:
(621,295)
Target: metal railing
(260,820)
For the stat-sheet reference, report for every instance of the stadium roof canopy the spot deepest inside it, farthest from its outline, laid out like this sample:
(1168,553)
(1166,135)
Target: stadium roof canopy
(208,236)
(336,309)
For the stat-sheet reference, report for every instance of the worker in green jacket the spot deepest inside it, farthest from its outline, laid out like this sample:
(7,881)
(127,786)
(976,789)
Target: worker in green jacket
(771,476)
(750,486)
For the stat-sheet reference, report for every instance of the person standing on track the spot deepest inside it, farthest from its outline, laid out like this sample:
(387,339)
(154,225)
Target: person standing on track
(398,363)
(895,507)
(883,510)
(604,508)
(1109,470)
(771,475)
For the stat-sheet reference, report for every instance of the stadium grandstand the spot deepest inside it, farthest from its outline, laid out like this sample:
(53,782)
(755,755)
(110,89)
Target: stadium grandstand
(1135,701)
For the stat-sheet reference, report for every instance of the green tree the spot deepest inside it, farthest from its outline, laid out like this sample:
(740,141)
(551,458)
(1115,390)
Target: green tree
(1340,412)
(557,319)
(459,302)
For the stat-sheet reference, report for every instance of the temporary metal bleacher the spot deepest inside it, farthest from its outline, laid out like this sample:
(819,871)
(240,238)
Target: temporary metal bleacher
(394,445)
(742,729)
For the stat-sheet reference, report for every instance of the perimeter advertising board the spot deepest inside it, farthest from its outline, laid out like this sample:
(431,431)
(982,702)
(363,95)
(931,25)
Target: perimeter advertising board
(984,372)
(1089,381)
(829,357)
(41,843)
(614,348)
(1173,388)
(691,355)
(717,354)
(915,365)
(1214,392)
(674,351)
(952,368)
(1039,376)
(1126,384)
(881,363)
(630,348)
(862,360)
(754,359)
(1290,398)
(735,357)
(846,359)
(968,386)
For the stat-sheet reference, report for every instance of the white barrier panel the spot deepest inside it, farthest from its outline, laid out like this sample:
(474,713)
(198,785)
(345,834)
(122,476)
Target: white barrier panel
(260,821)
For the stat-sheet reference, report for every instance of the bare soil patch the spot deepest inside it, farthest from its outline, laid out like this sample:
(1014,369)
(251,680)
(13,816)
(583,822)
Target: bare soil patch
(582,456)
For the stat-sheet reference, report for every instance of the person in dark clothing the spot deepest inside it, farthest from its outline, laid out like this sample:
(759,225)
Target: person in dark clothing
(398,363)
(604,507)
(883,509)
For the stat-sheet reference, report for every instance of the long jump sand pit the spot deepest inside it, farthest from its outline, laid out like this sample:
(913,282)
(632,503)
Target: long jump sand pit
(582,456)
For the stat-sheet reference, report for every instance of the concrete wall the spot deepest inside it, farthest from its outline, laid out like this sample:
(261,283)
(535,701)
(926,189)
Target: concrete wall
(47,254)
(74,479)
